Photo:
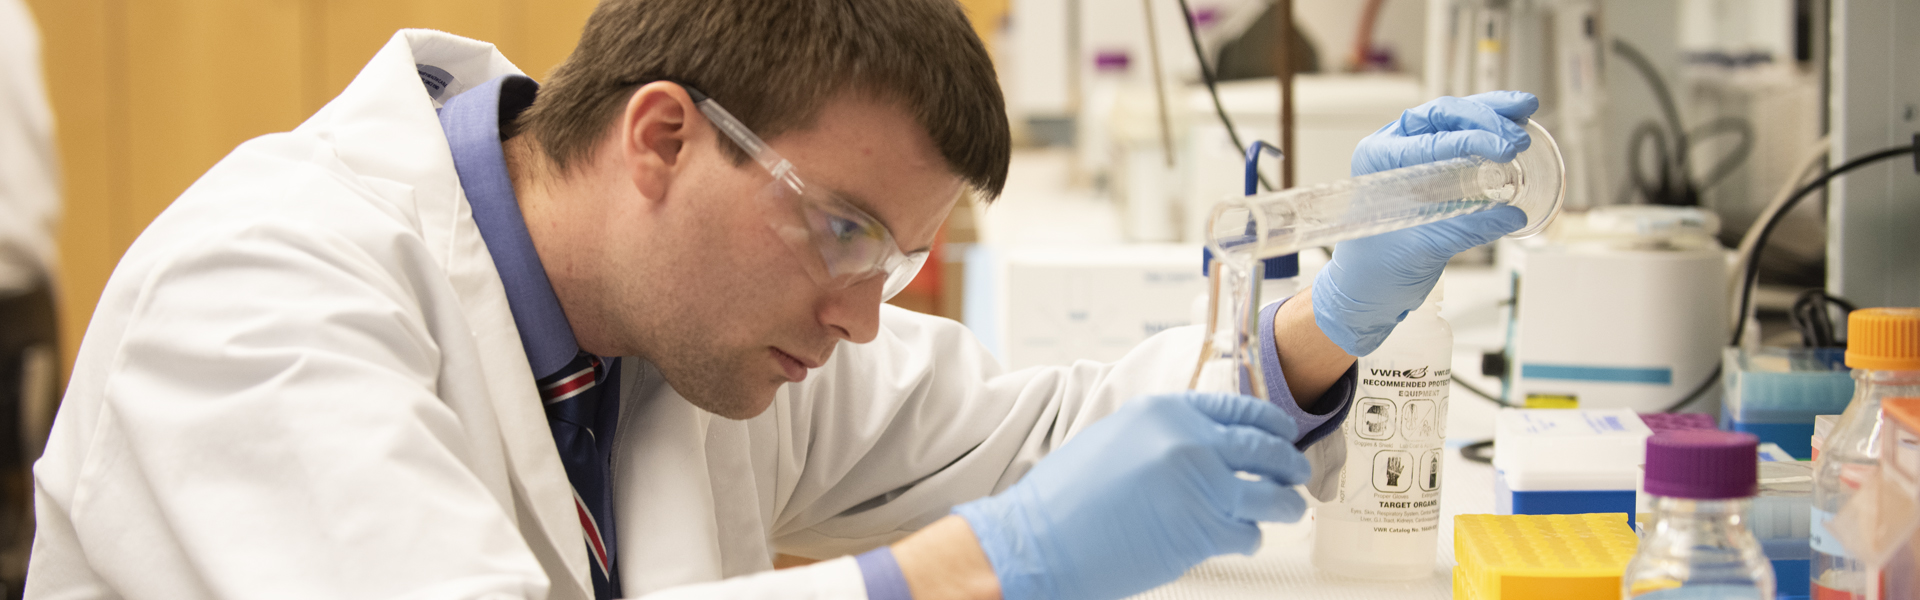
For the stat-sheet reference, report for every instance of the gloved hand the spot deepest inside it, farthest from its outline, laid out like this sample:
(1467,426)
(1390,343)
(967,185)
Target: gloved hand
(1373,282)
(1141,496)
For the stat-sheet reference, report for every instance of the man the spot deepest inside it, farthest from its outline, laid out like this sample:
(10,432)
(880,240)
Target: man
(376,356)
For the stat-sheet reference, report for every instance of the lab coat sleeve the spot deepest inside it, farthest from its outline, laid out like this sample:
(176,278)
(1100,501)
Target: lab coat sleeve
(271,428)
(889,435)
(837,579)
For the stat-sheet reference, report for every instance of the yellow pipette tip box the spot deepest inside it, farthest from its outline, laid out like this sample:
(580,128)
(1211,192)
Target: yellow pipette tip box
(1564,557)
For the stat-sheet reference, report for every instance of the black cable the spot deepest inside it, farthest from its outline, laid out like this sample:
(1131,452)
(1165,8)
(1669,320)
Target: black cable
(1812,318)
(1653,192)
(1479,392)
(1206,75)
(1752,274)
(1740,152)
(1701,390)
(1479,452)
(1685,195)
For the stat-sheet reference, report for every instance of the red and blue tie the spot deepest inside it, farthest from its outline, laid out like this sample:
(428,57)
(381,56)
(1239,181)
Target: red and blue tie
(575,413)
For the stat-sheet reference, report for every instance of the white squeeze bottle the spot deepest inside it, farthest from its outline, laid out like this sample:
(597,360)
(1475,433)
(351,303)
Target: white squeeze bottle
(1384,524)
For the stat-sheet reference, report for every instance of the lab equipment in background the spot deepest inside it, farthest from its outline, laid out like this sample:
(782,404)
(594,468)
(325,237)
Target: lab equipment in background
(1523,557)
(1622,307)
(1881,525)
(1872,106)
(1697,544)
(1332,113)
(1384,524)
(1093,146)
(1487,45)
(1286,221)
(1883,347)
(1775,393)
(1037,305)
(1554,461)
(1550,48)
(1145,180)
(1778,518)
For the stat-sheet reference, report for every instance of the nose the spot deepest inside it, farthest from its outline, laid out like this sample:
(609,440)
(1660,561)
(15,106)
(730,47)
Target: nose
(853,312)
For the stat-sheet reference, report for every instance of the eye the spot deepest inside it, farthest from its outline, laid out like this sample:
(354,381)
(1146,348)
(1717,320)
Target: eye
(844,229)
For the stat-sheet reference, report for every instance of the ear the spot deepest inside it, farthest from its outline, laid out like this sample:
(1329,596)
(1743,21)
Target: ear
(654,137)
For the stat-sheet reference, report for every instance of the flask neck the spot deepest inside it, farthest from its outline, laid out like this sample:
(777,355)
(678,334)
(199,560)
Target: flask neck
(1872,385)
(1710,522)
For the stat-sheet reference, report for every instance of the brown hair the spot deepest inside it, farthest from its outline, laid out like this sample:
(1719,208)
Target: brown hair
(775,63)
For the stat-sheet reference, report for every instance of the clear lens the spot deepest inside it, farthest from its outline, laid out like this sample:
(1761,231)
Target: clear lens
(839,245)
(899,276)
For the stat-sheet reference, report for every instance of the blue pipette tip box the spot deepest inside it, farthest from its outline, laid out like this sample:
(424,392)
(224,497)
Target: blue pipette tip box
(1774,393)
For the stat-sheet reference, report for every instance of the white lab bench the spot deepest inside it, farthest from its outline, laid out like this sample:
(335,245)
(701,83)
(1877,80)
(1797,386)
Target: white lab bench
(1282,568)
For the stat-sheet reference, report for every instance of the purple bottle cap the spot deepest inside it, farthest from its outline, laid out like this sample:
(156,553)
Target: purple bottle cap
(1205,16)
(1111,60)
(1669,421)
(1702,464)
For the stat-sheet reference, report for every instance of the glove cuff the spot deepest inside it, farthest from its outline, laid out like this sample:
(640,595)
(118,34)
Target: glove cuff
(1357,327)
(1005,536)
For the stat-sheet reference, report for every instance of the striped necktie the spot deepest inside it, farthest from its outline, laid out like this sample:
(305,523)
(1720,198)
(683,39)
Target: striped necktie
(575,413)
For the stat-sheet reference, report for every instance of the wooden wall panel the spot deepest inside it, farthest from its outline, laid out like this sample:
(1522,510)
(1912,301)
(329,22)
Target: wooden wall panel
(548,32)
(77,45)
(201,77)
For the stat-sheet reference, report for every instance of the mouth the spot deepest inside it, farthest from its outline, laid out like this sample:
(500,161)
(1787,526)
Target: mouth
(794,368)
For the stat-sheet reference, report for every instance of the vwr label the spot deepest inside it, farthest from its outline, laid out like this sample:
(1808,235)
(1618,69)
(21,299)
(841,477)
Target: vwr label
(1394,449)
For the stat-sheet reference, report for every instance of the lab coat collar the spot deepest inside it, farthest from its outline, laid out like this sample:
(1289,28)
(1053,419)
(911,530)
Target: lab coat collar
(472,121)
(384,129)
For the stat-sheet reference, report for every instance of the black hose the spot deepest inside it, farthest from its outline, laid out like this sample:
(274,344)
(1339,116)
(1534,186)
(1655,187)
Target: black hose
(1749,278)
(1684,195)
(1206,75)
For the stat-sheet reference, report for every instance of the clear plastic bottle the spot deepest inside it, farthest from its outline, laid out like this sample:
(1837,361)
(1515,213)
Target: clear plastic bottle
(1384,524)
(1883,348)
(1696,544)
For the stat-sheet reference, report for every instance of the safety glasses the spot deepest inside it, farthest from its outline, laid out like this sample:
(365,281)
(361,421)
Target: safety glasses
(839,244)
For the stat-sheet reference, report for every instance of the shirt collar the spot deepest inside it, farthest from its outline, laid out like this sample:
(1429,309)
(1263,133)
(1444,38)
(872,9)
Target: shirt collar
(472,122)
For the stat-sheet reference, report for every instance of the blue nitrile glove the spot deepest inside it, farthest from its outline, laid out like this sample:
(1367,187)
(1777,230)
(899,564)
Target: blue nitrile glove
(1141,496)
(1373,282)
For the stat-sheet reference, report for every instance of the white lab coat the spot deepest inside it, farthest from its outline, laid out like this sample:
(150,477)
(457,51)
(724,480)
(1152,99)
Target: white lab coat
(303,381)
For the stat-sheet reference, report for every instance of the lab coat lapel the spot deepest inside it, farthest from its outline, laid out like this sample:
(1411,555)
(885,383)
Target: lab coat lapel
(385,127)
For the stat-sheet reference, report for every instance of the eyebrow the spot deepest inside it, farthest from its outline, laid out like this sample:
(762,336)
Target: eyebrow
(866,208)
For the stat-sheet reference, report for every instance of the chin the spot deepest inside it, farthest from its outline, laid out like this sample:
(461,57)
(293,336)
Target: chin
(738,404)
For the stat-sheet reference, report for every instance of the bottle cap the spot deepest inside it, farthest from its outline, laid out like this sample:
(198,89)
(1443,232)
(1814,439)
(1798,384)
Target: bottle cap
(1884,339)
(1285,266)
(1703,464)
(1111,60)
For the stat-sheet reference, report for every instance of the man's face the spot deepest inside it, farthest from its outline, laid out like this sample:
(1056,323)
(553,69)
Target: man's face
(726,309)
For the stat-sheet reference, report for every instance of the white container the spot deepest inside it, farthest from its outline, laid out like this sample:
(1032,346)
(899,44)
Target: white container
(1562,461)
(1384,524)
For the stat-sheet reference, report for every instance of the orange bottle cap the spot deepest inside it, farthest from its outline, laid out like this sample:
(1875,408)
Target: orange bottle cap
(1884,339)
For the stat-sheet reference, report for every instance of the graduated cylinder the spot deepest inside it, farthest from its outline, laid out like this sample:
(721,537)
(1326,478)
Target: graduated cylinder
(1290,220)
